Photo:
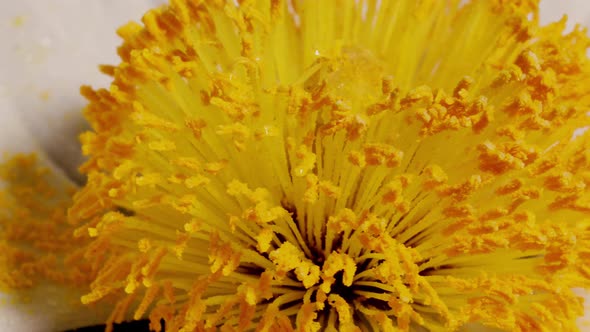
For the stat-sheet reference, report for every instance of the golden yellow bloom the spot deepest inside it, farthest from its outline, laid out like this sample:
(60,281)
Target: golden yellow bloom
(341,165)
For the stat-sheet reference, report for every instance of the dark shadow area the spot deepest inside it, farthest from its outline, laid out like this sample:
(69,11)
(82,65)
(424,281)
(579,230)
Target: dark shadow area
(59,138)
(133,326)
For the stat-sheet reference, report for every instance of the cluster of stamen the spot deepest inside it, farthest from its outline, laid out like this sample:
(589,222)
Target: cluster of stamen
(340,165)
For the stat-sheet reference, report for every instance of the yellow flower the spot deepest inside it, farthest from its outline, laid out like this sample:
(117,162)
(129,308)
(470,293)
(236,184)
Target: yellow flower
(340,165)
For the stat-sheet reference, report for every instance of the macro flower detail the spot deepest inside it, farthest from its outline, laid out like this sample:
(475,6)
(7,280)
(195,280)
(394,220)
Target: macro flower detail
(340,166)
(42,266)
(30,197)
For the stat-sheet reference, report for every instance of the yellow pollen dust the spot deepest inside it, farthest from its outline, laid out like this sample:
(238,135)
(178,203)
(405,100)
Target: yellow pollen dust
(281,165)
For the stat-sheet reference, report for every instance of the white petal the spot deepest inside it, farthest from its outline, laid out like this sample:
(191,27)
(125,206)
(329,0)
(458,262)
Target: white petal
(51,308)
(50,48)
(578,11)
(12,129)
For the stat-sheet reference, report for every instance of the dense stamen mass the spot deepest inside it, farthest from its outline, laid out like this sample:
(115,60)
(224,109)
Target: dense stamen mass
(341,165)
(36,243)
(43,272)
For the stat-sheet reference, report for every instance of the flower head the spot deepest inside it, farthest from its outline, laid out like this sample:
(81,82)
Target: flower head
(340,165)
